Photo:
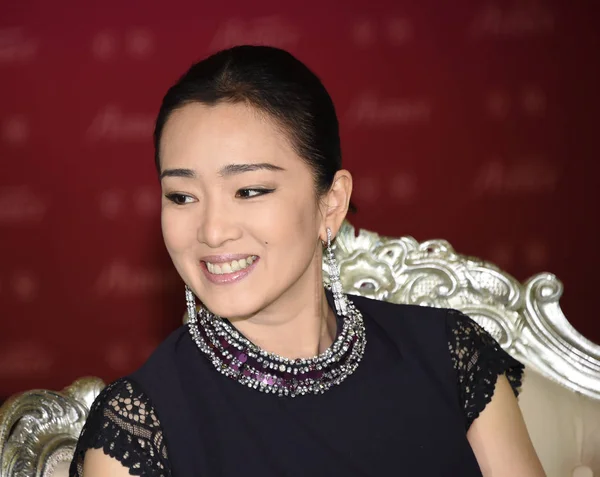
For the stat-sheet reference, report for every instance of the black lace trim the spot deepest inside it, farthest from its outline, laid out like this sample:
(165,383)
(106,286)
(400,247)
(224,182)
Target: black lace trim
(478,360)
(123,424)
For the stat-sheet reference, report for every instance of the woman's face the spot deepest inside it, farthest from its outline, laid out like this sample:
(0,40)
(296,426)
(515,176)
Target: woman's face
(239,214)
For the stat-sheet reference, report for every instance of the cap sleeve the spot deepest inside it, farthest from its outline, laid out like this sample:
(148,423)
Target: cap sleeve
(478,360)
(122,423)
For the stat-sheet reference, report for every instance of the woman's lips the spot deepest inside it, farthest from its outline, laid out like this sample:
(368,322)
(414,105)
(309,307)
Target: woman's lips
(225,257)
(226,278)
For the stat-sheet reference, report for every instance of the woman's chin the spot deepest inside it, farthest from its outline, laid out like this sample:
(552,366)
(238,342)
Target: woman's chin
(229,311)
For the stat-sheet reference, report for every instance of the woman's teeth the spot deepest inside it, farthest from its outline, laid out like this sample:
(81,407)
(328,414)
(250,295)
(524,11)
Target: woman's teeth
(229,267)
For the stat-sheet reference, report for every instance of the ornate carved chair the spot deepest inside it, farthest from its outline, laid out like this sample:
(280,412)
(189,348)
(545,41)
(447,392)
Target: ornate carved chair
(560,397)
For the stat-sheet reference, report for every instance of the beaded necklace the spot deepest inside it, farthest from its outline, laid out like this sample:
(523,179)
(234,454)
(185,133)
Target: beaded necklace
(236,357)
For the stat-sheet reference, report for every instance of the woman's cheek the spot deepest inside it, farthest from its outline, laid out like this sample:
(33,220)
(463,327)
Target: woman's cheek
(282,214)
(174,231)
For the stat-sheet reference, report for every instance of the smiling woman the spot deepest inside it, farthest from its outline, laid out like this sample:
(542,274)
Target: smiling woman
(274,374)
(246,193)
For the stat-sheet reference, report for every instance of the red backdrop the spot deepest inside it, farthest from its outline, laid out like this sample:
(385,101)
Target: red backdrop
(473,121)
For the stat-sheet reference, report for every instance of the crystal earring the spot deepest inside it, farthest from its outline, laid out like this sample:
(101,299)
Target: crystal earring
(191,304)
(339,299)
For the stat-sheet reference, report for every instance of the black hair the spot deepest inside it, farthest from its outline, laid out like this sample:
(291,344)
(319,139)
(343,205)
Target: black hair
(274,82)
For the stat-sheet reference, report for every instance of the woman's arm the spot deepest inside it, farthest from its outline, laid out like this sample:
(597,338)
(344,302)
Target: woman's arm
(97,464)
(500,440)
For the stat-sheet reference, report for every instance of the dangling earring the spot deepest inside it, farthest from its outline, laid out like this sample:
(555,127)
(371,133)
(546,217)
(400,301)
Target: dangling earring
(339,299)
(191,304)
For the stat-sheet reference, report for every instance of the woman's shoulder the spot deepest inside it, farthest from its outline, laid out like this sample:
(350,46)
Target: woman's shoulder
(387,310)
(422,321)
(122,422)
(425,325)
(462,352)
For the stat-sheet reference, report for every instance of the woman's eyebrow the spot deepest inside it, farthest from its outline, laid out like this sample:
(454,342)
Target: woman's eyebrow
(177,173)
(228,170)
(233,169)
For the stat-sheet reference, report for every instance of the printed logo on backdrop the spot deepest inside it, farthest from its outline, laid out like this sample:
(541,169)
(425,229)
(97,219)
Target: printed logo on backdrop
(16,46)
(22,359)
(124,279)
(23,285)
(371,110)
(14,130)
(272,30)
(530,101)
(135,43)
(536,253)
(143,201)
(502,254)
(533,252)
(367,190)
(522,175)
(21,205)
(401,188)
(395,31)
(524,18)
(113,124)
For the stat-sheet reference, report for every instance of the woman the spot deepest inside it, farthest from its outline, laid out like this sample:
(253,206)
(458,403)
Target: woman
(275,375)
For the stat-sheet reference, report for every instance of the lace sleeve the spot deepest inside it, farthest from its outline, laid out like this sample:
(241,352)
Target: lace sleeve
(478,360)
(122,423)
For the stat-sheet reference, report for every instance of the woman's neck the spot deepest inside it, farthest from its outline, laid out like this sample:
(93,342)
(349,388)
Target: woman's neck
(299,325)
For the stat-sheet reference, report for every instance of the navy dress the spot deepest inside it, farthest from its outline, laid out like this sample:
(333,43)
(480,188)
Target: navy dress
(425,376)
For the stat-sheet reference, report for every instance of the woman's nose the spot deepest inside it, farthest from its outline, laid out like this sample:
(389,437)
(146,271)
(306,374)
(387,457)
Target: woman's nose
(217,226)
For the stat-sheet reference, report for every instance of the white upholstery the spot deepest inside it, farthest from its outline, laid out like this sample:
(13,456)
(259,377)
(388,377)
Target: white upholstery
(564,426)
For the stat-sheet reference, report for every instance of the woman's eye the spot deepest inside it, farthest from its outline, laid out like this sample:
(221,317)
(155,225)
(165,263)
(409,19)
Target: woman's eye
(179,199)
(249,193)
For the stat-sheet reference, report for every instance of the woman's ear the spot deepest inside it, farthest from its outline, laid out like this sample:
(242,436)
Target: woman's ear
(336,202)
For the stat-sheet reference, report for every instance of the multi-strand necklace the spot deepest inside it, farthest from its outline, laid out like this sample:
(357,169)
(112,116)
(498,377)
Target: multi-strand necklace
(238,358)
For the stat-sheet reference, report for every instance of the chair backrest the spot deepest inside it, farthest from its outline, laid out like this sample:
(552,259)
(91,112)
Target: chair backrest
(39,429)
(526,319)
